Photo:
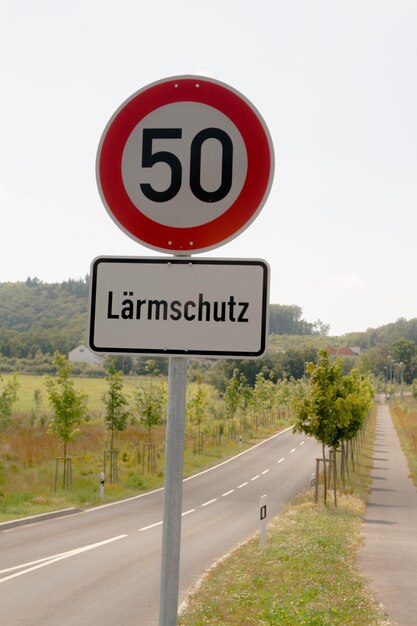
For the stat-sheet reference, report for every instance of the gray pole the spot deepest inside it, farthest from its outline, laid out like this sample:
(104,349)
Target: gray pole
(174,460)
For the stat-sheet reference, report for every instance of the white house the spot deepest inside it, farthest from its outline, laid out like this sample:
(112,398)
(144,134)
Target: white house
(85,355)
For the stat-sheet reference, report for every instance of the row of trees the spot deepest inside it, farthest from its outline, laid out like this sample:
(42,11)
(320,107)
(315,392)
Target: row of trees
(327,404)
(285,319)
(70,405)
(332,407)
(251,404)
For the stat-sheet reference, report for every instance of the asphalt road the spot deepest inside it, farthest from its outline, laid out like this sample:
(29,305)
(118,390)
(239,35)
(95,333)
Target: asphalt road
(102,566)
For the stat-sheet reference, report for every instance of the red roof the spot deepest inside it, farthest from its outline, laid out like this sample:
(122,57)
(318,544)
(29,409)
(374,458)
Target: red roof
(344,352)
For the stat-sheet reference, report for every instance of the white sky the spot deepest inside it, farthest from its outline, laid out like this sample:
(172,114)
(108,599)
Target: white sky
(335,81)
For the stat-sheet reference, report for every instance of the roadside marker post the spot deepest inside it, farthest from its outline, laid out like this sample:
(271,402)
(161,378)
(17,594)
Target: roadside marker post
(262,518)
(183,166)
(102,481)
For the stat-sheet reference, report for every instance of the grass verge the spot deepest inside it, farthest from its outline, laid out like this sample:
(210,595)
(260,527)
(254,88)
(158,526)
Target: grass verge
(306,574)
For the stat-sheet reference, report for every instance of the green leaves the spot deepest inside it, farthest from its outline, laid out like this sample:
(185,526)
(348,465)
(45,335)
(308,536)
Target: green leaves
(69,405)
(8,395)
(116,414)
(150,402)
(335,405)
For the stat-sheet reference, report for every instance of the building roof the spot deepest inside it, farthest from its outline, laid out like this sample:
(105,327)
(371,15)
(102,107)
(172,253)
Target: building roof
(343,352)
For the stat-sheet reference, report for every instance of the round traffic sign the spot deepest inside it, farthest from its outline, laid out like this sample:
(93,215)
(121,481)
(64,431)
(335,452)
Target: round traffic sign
(185,164)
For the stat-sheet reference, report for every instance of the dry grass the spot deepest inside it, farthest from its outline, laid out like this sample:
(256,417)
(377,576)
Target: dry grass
(405,420)
(28,454)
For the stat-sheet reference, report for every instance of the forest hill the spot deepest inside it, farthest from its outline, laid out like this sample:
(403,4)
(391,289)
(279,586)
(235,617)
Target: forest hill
(201,310)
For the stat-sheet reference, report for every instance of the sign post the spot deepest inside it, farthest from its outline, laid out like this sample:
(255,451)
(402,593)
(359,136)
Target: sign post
(183,166)
(174,461)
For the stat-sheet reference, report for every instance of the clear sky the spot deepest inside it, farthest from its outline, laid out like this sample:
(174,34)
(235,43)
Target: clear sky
(335,81)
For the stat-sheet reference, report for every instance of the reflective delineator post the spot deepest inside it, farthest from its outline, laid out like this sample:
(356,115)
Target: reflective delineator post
(174,460)
(102,481)
(262,519)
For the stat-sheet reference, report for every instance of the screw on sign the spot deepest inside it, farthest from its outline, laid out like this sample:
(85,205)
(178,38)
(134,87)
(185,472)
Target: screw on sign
(185,165)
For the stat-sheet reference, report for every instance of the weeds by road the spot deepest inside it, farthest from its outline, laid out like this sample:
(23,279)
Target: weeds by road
(404,416)
(305,575)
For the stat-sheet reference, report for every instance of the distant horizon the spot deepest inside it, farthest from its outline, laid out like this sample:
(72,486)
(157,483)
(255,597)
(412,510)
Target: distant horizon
(329,335)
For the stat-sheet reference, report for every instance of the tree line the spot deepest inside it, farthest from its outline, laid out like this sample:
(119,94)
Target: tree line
(38,319)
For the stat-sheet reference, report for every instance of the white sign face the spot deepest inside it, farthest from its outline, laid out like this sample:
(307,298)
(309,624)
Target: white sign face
(200,138)
(183,307)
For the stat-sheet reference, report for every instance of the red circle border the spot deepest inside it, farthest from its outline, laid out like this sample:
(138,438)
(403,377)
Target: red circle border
(221,229)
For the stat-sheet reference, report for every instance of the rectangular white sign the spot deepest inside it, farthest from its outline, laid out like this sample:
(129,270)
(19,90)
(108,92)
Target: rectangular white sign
(179,306)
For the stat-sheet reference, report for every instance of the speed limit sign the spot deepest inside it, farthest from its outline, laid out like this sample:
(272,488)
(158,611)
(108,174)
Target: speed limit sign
(185,164)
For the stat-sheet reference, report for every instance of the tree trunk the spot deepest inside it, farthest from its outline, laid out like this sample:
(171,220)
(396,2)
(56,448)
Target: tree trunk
(325,473)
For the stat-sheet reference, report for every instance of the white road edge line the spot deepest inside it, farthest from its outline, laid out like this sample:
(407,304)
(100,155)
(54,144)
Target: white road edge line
(301,443)
(55,558)
(210,469)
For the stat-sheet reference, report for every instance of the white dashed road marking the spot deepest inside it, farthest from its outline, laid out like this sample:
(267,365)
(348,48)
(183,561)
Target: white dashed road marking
(209,502)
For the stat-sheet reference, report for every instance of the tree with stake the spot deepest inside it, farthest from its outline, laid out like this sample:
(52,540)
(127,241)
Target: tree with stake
(196,410)
(263,397)
(150,401)
(8,395)
(116,414)
(356,400)
(235,397)
(232,395)
(318,414)
(70,409)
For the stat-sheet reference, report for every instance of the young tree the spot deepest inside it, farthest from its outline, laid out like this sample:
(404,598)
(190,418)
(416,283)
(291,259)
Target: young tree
(150,401)
(334,406)
(232,395)
(8,395)
(318,413)
(70,408)
(197,408)
(116,414)
(355,402)
(263,397)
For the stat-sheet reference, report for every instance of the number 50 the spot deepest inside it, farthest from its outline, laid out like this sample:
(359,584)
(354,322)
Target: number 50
(149,159)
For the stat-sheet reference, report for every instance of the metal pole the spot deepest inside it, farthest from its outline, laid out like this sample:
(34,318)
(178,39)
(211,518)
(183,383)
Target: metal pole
(174,460)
